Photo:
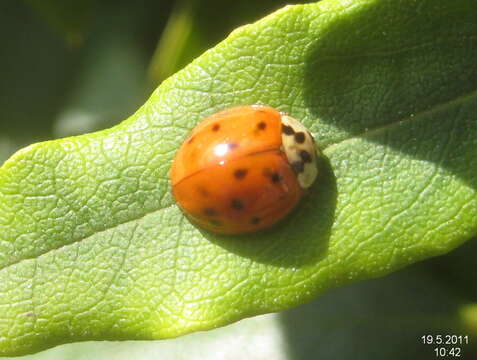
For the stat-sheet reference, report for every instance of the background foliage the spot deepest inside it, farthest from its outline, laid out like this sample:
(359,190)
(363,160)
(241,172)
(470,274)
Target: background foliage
(75,67)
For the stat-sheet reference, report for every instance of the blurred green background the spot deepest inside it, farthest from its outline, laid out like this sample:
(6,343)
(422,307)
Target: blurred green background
(70,67)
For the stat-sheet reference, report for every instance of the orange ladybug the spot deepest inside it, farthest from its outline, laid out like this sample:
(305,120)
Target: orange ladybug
(243,169)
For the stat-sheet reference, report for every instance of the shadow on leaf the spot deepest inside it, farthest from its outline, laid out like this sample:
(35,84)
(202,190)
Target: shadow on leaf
(300,239)
(396,86)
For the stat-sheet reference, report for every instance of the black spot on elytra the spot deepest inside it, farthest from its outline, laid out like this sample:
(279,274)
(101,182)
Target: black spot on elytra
(288,130)
(216,127)
(272,175)
(261,125)
(215,222)
(239,174)
(300,137)
(305,156)
(236,204)
(298,166)
(255,220)
(275,178)
(232,146)
(203,191)
(210,212)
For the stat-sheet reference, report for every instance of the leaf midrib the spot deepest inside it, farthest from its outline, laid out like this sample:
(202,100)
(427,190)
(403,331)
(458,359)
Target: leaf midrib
(413,117)
(328,151)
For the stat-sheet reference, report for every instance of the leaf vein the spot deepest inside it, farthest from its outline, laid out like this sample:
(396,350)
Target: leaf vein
(429,111)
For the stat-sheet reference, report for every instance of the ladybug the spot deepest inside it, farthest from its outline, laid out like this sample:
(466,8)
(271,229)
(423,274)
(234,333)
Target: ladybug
(243,169)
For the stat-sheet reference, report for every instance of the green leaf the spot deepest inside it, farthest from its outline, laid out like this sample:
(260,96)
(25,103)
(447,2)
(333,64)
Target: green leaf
(93,247)
(384,317)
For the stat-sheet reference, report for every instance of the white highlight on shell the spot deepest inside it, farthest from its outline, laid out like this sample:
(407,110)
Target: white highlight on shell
(292,150)
(221,149)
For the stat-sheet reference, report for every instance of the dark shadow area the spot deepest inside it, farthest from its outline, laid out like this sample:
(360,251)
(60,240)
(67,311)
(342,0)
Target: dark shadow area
(50,53)
(377,319)
(458,271)
(33,60)
(300,239)
(415,75)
